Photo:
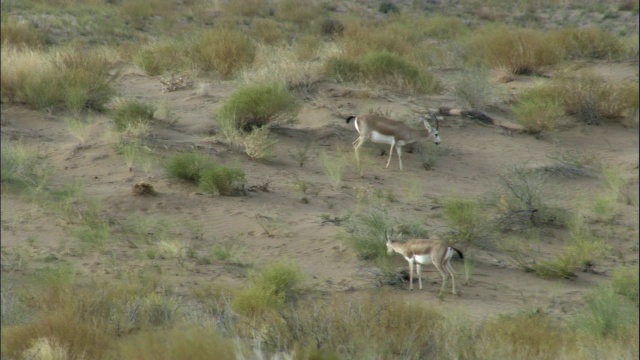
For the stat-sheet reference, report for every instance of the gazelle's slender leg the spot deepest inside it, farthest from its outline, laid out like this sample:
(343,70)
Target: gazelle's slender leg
(411,274)
(358,143)
(419,273)
(453,279)
(390,153)
(444,277)
(399,151)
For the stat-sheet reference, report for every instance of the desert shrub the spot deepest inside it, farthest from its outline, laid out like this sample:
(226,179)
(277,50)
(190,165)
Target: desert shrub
(158,58)
(80,339)
(371,327)
(474,89)
(581,254)
(270,289)
(528,335)
(522,200)
(361,37)
(606,314)
(179,343)
(222,180)
(331,27)
(188,166)
(256,105)
(342,69)
(367,234)
(588,42)
(20,35)
(299,12)
(20,166)
(245,7)
(387,7)
(386,69)
(390,69)
(131,113)
(259,144)
(624,281)
(468,220)
(69,79)
(521,51)
(445,27)
(268,31)
(428,154)
(222,50)
(538,110)
(334,168)
(591,99)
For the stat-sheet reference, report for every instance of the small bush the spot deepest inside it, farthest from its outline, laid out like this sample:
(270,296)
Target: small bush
(20,35)
(343,69)
(521,51)
(224,51)
(334,168)
(299,12)
(591,99)
(257,105)
(367,234)
(188,166)
(468,219)
(588,43)
(20,166)
(132,113)
(580,255)
(624,281)
(222,180)
(606,314)
(538,110)
(259,144)
(159,58)
(390,69)
(268,31)
(445,27)
(245,7)
(473,89)
(270,289)
(331,27)
(387,7)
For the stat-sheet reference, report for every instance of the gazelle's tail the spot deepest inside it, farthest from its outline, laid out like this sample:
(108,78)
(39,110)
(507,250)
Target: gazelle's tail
(350,118)
(458,251)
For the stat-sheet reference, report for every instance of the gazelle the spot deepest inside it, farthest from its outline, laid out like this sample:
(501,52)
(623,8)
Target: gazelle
(382,130)
(424,252)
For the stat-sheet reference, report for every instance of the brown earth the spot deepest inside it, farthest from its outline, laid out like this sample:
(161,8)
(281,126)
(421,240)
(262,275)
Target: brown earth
(474,157)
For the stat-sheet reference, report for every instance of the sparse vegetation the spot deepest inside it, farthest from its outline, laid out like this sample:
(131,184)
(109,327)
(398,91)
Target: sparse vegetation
(538,110)
(187,166)
(222,50)
(222,180)
(259,144)
(132,113)
(468,221)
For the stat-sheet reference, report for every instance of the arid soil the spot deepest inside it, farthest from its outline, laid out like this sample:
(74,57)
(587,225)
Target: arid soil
(279,224)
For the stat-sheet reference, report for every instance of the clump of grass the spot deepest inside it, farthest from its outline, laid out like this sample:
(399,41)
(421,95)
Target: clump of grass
(331,27)
(21,35)
(444,27)
(387,7)
(268,31)
(222,180)
(178,343)
(259,144)
(591,99)
(538,110)
(587,43)
(367,234)
(187,166)
(161,57)
(131,113)
(257,105)
(269,289)
(521,51)
(21,167)
(299,12)
(334,168)
(222,50)
(69,79)
(302,154)
(607,314)
(624,281)
(245,7)
(473,89)
(386,69)
(468,220)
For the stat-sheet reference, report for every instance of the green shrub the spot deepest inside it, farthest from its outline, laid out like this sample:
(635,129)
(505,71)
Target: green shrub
(445,27)
(299,12)
(259,144)
(158,58)
(257,105)
(521,51)
(188,166)
(268,31)
(538,110)
(342,69)
(20,166)
(588,43)
(390,69)
(224,51)
(387,7)
(222,180)
(624,281)
(590,98)
(606,314)
(367,234)
(331,27)
(270,289)
(20,35)
(468,219)
(131,113)
(473,89)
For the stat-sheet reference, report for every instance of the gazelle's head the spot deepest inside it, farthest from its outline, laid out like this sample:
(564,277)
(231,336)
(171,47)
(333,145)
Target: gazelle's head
(434,133)
(390,249)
